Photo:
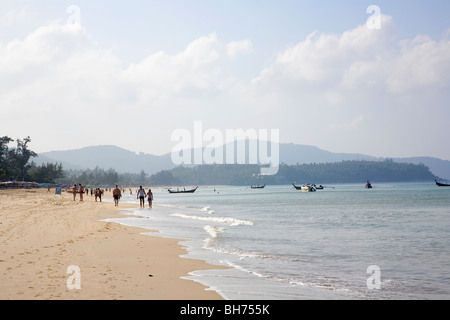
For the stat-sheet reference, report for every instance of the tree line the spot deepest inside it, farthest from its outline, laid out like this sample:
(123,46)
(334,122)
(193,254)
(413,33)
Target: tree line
(15,164)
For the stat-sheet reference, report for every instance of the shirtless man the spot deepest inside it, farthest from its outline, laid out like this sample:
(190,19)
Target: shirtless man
(117,194)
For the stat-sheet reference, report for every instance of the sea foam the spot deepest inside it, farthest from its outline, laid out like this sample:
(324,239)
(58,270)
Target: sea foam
(227,220)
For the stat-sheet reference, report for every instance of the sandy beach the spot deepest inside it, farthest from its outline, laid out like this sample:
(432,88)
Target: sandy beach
(43,234)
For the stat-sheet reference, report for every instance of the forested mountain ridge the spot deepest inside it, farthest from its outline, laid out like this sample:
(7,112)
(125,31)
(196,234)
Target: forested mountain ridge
(358,171)
(124,161)
(319,173)
(15,164)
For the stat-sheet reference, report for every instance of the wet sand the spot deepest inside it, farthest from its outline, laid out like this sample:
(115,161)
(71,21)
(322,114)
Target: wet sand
(43,234)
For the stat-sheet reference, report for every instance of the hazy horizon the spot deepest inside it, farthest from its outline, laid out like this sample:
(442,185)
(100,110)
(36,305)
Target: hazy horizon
(288,143)
(340,76)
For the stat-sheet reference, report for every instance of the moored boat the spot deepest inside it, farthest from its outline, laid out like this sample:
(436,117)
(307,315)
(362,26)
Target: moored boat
(308,188)
(440,184)
(258,187)
(305,187)
(183,191)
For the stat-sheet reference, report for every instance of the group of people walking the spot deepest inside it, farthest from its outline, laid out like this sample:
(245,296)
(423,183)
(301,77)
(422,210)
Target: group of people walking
(141,195)
(117,194)
(81,190)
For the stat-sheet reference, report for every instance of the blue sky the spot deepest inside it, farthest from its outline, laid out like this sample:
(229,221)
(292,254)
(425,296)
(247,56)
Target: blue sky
(135,71)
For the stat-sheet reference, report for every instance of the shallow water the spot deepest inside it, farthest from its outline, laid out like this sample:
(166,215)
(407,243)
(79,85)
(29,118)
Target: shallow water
(281,243)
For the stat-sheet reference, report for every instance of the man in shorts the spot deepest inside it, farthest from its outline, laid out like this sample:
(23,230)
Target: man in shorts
(117,194)
(141,196)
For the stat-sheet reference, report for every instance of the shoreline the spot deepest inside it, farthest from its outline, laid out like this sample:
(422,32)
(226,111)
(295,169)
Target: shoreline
(43,234)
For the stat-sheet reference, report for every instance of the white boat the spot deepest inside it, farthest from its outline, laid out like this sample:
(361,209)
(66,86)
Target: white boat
(306,188)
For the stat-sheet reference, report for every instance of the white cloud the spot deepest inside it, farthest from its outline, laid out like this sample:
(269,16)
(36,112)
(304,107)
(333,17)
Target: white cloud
(347,126)
(362,58)
(58,76)
(422,63)
(339,81)
(56,65)
(236,48)
(322,59)
(13,17)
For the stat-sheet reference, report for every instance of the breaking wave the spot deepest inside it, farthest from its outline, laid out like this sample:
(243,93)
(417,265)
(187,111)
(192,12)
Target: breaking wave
(226,220)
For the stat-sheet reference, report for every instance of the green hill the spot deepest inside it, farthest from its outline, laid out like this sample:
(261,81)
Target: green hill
(319,173)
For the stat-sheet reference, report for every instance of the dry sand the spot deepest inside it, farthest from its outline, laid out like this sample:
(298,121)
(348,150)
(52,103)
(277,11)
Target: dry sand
(42,234)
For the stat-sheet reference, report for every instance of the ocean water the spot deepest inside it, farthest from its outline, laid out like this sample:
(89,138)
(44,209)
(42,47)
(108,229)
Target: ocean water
(343,242)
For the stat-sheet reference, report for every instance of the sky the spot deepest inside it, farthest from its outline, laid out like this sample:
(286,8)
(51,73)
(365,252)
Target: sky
(332,74)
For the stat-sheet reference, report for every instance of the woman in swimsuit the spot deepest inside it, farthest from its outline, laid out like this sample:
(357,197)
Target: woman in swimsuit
(150,198)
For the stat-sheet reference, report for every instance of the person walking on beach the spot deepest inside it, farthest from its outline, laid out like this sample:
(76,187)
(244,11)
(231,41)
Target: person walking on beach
(97,194)
(74,191)
(141,195)
(117,194)
(150,198)
(81,190)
